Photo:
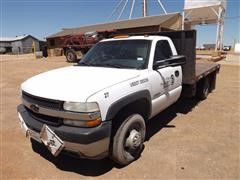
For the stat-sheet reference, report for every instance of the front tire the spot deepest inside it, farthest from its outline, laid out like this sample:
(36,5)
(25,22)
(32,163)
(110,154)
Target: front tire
(128,140)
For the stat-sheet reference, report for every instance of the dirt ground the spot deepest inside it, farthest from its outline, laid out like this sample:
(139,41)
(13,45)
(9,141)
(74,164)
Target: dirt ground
(189,140)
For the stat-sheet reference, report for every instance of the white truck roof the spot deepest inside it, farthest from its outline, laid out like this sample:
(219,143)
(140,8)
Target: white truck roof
(126,37)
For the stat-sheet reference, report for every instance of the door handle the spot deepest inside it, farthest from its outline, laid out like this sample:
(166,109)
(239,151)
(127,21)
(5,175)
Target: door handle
(176,73)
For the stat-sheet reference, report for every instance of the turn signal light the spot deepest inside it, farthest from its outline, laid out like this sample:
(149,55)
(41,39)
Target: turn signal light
(93,123)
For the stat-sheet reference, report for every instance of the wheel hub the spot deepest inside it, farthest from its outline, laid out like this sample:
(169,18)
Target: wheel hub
(134,140)
(70,56)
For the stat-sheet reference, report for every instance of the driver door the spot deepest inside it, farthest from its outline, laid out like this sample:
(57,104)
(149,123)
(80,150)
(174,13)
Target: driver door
(166,81)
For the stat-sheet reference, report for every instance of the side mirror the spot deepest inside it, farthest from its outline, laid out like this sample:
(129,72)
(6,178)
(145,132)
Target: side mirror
(176,60)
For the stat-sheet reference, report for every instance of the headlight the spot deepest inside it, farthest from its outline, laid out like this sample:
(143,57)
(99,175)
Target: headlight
(90,111)
(81,107)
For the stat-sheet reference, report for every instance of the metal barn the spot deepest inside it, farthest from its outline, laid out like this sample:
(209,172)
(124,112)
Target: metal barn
(19,44)
(171,21)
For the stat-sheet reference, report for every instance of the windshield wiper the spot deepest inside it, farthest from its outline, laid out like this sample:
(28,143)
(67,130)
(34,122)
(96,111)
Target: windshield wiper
(115,65)
(111,65)
(105,65)
(84,63)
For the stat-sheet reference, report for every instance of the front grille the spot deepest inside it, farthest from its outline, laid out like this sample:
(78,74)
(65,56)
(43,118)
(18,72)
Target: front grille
(43,102)
(50,120)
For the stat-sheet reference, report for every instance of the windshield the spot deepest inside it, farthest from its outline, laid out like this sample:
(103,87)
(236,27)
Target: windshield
(131,54)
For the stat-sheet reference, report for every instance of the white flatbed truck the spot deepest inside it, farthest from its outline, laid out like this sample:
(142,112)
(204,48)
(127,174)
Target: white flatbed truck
(100,106)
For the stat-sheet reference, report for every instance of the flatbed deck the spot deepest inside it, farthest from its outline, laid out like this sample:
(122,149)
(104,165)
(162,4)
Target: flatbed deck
(205,68)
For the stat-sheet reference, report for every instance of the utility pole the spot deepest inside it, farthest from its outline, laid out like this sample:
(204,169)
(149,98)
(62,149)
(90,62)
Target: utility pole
(145,8)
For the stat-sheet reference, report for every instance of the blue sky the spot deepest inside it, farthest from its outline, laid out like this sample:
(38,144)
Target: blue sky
(42,18)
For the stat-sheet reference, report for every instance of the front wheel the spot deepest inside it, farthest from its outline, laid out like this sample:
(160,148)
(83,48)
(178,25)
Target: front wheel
(128,140)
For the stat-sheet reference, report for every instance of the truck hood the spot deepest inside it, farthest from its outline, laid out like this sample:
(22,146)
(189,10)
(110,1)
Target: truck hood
(75,83)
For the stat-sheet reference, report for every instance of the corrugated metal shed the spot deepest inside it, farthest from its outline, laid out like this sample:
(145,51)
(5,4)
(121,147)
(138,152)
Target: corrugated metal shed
(18,44)
(17,38)
(10,39)
(162,20)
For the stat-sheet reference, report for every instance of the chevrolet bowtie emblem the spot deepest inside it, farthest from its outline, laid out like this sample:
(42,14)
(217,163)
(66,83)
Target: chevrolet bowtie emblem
(34,108)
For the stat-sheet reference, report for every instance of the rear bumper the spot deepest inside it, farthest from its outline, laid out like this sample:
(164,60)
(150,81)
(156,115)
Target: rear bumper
(92,143)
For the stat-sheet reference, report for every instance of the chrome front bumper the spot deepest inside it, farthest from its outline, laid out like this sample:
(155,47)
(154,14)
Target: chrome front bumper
(90,143)
(96,150)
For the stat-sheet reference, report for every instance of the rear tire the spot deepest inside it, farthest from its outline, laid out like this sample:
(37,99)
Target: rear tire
(80,54)
(71,56)
(203,88)
(128,140)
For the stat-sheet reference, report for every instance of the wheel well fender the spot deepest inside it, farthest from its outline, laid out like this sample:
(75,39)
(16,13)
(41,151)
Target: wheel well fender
(140,100)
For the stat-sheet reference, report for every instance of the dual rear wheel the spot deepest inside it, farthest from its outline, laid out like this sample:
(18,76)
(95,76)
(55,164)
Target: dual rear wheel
(203,88)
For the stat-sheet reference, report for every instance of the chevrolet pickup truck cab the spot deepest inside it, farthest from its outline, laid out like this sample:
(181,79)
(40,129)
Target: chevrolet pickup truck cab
(99,107)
